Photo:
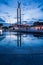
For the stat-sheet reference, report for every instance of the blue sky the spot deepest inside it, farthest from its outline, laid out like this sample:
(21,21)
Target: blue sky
(32,10)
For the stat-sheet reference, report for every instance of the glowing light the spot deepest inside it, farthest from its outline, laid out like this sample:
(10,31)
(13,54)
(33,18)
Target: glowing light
(0,31)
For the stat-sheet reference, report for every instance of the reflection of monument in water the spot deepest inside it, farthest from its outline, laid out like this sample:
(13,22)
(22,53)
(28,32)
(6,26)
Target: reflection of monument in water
(19,22)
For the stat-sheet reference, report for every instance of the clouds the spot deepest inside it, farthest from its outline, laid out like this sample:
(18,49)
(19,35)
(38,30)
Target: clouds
(31,9)
(7,13)
(4,2)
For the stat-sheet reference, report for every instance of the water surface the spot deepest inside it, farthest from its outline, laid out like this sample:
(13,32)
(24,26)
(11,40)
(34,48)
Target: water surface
(21,43)
(17,47)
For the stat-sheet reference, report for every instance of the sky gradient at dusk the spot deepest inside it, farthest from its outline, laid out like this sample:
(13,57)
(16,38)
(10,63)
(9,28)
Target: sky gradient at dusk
(32,10)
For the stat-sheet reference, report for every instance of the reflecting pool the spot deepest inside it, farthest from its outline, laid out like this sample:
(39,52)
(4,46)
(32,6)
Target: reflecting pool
(21,49)
(14,42)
